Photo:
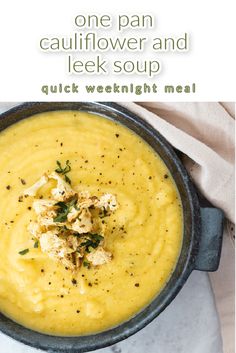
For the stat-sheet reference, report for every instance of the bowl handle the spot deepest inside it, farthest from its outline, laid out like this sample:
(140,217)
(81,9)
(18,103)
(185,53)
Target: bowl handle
(210,245)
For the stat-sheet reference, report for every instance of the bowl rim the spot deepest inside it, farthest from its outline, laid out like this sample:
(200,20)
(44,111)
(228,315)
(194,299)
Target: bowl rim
(147,314)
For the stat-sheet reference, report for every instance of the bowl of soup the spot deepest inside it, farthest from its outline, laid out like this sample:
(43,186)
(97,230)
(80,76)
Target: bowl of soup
(100,225)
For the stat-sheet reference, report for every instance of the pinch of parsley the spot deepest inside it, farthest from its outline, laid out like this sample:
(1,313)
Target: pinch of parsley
(64,209)
(36,244)
(86,264)
(23,252)
(67,179)
(64,171)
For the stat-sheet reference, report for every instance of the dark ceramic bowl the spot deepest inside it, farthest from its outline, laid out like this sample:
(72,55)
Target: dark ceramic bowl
(202,236)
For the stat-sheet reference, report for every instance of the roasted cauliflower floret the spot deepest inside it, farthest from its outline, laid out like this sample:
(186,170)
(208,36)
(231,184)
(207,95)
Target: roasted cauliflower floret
(42,206)
(108,202)
(47,219)
(85,200)
(99,257)
(73,214)
(56,247)
(34,229)
(32,191)
(73,242)
(83,223)
(63,191)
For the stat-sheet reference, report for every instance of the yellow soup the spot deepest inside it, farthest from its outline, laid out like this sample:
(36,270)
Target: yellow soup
(144,234)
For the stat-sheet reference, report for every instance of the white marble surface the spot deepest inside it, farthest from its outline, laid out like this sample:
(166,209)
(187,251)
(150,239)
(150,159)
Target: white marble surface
(189,325)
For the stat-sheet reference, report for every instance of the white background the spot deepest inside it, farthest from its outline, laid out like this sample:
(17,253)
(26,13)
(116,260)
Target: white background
(209,63)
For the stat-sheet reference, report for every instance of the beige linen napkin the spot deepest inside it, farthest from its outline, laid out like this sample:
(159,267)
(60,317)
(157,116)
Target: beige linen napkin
(204,132)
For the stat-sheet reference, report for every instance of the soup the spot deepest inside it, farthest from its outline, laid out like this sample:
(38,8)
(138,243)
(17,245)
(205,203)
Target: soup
(144,234)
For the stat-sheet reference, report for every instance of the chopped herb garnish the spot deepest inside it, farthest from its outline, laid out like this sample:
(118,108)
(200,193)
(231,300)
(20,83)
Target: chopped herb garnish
(64,209)
(64,228)
(23,252)
(64,171)
(36,244)
(62,212)
(67,179)
(93,242)
(86,264)
(78,226)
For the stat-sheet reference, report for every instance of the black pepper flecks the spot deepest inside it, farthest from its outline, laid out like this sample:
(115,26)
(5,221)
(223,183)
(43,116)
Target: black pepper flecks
(20,199)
